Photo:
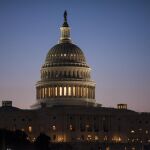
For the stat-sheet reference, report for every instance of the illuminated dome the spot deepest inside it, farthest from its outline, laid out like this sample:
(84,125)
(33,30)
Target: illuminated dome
(65,54)
(65,76)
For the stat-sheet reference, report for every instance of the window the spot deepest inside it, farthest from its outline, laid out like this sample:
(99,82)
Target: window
(49,91)
(86,92)
(30,129)
(132,131)
(55,91)
(22,129)
(65,91)
(89,137)
(42,92)
(81,91)
(146,131)
(70,127)
(45,91)
(74,91)
(105,138)
(69,91)
(54,127)
(60,91)
(96,137)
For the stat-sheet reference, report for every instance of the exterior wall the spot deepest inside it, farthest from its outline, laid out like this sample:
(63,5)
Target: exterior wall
(71,124)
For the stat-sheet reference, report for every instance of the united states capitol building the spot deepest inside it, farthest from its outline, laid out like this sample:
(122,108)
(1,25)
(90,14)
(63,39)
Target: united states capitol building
(65,107)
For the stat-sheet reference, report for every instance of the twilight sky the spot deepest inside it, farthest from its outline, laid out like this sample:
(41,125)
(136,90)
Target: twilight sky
(113,34)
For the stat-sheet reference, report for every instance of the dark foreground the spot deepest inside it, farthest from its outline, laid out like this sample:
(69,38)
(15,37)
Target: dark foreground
(18,140)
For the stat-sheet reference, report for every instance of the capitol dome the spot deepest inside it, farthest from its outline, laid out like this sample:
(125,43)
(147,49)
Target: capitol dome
(65,54)
(65,75)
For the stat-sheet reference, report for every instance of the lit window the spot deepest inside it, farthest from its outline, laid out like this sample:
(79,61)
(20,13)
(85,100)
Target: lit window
(65,91)
(54,127)
(105,138)
(30,129)
(107,148)
(45,91)
(132,131)
(96,137)
(119,139)
(69,91)
(89,137)
(81,91)
(49,91)
(42,92)
(22,129)
(70,127)
(146,131)
(73,91)
(55,91)
(87,92)
(78,91)
(60,91)
(60,138)
(140,129)
(33,139)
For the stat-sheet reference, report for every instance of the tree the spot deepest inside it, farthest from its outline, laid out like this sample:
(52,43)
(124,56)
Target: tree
(42,142)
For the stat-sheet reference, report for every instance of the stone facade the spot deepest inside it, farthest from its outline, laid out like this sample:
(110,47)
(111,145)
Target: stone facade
(79,123)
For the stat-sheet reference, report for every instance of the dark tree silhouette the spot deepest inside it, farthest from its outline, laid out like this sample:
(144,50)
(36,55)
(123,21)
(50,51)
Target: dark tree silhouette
(14,139)
(42,142)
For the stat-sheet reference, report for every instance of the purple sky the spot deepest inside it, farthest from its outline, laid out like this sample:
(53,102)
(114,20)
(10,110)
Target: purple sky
(114,36)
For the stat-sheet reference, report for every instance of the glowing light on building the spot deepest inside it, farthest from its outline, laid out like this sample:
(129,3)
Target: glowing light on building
(89,137)
(69,91)
(65,91)
(54,127)
(132,131)
(30,128)
(60,91)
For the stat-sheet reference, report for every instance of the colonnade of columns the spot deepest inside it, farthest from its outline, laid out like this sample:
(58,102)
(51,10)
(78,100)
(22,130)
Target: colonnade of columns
(65,91)
(53,74)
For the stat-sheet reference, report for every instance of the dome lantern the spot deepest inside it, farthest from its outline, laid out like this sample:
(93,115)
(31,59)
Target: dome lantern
(65,31)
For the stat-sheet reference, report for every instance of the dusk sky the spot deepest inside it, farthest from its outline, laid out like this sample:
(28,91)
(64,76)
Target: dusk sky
(113,34)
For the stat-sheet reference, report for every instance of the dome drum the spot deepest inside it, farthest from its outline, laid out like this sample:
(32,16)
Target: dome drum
(65,91)
(65,73)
